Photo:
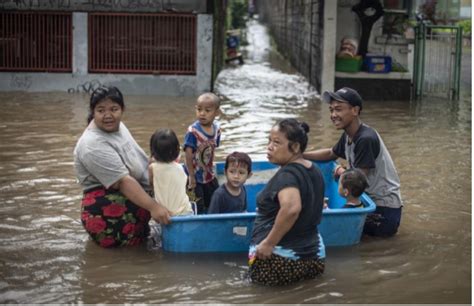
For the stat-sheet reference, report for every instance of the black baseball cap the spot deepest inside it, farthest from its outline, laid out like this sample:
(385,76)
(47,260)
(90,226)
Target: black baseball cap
(344,94)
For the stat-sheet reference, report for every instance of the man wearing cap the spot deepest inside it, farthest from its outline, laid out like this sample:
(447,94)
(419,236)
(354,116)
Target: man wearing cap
(363,148)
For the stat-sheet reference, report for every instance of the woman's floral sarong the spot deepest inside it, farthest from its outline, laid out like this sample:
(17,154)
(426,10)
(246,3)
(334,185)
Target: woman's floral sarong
(112,220)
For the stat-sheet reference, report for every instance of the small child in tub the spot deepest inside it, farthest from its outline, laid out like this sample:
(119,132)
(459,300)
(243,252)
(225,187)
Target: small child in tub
(231,197)
(166,175)
(352,184)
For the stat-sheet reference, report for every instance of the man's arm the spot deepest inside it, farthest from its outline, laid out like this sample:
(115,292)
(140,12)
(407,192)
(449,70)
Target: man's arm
(321,154)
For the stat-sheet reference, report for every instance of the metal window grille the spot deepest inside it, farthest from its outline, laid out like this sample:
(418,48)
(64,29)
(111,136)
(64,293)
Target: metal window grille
(36,41)
(142,43)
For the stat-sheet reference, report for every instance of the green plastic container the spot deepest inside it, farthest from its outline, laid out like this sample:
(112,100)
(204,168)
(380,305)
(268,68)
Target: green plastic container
(348,64)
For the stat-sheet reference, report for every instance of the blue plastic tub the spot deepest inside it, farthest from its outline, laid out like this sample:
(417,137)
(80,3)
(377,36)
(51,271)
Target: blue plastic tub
(343,226)
(209,233)
(232,232)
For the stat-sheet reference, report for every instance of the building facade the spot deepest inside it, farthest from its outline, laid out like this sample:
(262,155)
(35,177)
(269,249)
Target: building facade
(141,46)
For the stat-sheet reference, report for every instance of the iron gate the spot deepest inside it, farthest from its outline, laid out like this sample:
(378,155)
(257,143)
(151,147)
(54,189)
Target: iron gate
(437,61)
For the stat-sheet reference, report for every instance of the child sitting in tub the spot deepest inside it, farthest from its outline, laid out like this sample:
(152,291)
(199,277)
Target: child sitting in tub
(166,175)
(352,184)
(231,197)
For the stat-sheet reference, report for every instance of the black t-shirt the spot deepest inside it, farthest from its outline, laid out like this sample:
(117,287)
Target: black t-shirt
(365,146)
(303,237)
(223,201)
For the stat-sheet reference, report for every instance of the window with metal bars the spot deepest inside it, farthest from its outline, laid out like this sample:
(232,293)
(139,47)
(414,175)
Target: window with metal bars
(142,43)
(36,41)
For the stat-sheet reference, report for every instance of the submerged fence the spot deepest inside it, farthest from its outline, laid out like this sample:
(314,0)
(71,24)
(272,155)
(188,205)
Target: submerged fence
(36,41)
(142,43)
(118,42)
(437,61)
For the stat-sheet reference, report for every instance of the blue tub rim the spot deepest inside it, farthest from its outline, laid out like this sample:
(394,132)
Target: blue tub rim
(369,206)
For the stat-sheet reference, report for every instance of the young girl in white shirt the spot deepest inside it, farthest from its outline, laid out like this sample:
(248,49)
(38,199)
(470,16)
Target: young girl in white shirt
(167,176)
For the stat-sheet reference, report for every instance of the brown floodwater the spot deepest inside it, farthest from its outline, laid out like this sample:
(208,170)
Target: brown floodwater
(47,257)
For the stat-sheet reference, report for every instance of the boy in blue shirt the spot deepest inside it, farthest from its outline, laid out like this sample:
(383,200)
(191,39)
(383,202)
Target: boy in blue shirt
(231,197)
(200,141)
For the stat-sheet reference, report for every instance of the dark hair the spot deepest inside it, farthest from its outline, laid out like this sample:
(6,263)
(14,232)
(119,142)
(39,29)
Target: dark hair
(295,132)
(103,93)
(164,145)
(355,181)
(240,158)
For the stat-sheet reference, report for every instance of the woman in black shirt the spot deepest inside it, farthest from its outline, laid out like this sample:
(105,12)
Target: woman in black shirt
(285,239)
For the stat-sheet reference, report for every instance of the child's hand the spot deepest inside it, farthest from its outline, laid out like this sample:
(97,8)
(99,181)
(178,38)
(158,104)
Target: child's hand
(338,171)
(191,183)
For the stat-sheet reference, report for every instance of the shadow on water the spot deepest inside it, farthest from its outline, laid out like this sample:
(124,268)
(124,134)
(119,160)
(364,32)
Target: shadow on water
(46,256)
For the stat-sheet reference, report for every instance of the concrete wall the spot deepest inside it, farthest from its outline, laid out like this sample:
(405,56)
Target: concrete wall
(195,6)
(204,55)
(347,22)
(329,46)
(81,81)
(397,46)
(375,88)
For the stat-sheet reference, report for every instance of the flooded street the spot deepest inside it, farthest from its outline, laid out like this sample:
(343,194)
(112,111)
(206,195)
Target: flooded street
(47,257)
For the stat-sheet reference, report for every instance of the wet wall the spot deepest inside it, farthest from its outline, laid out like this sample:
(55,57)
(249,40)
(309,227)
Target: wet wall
(81,80)
(297,28)
(149,6)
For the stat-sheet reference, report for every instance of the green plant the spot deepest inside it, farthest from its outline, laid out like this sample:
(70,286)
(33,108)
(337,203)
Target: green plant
(397,67)
(395,24)
(466,26)
(238,12)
